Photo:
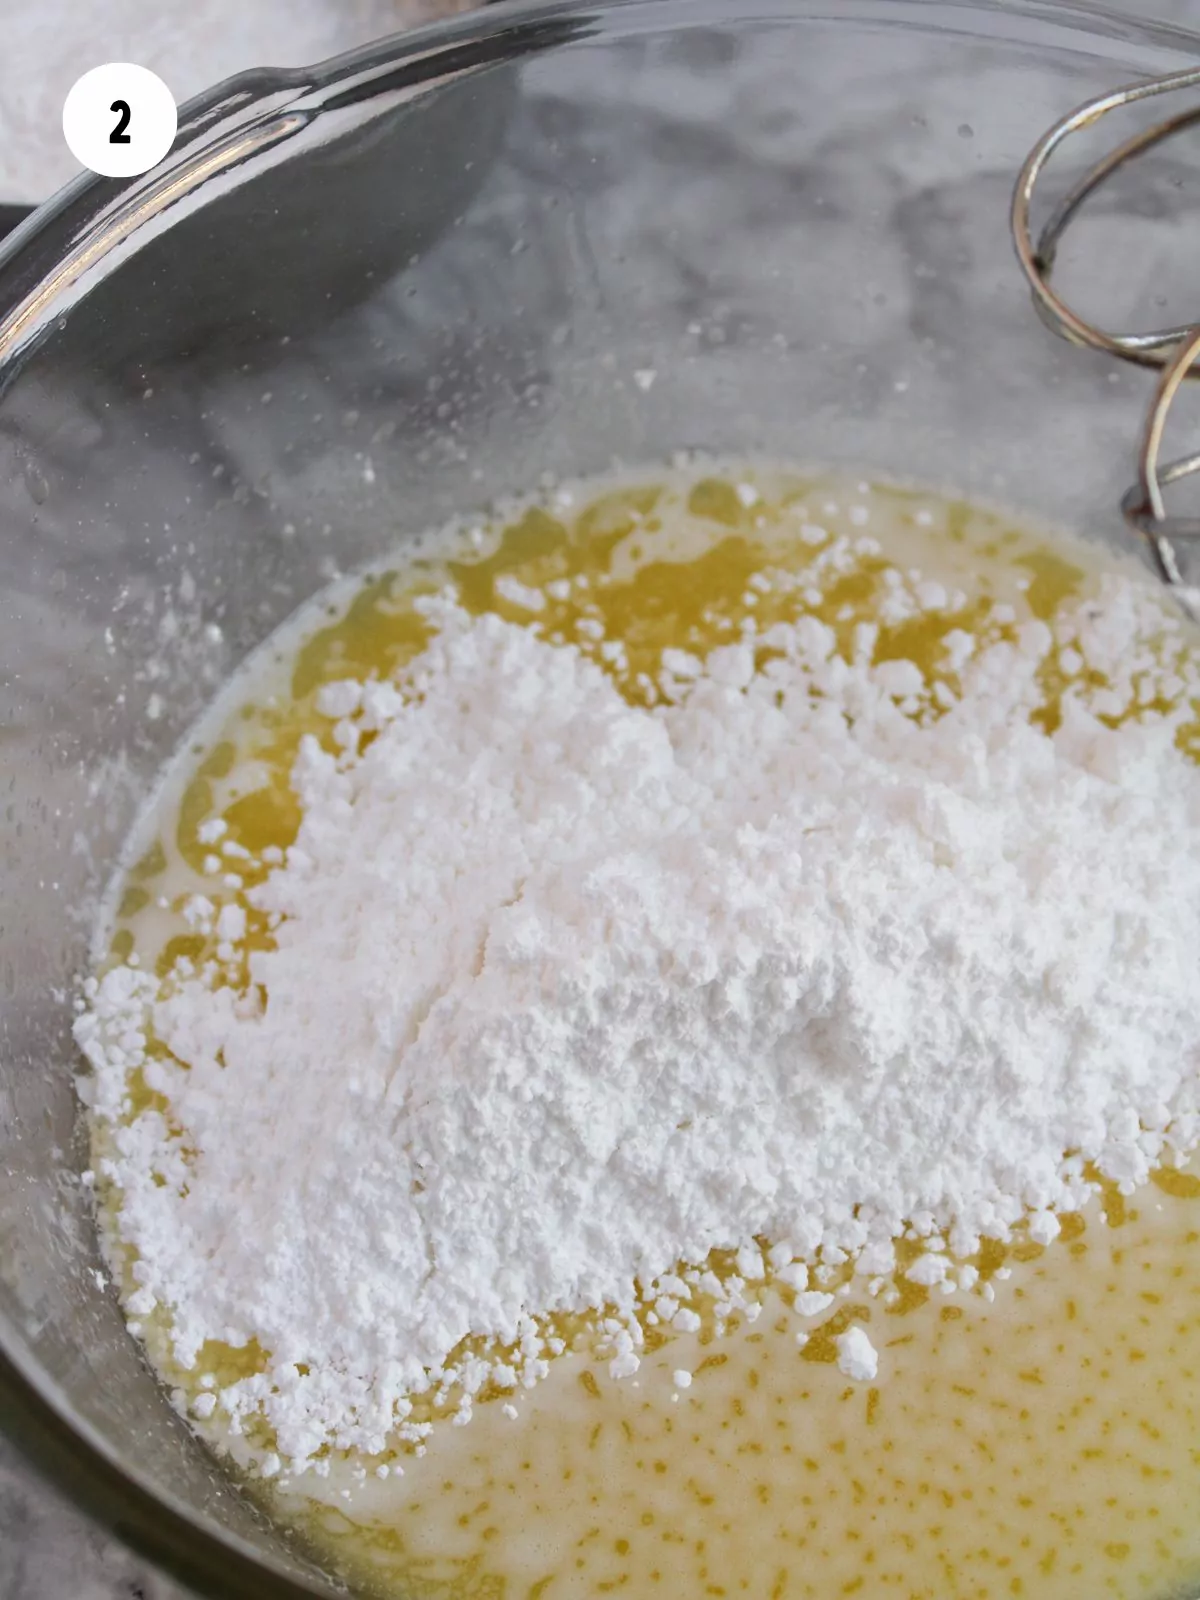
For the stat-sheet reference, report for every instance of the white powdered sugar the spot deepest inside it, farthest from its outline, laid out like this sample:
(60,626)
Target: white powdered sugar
(857,1357)
(566,992)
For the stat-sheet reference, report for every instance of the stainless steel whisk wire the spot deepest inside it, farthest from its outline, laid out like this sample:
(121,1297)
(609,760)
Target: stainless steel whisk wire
(1176,351)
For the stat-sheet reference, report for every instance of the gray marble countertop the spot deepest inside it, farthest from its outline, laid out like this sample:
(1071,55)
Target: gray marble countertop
(48,1550)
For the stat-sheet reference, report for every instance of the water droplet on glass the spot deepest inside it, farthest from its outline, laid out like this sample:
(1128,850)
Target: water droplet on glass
(35,482)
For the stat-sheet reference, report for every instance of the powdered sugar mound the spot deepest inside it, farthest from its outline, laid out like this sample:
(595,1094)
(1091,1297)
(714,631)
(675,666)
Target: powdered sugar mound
(566,992)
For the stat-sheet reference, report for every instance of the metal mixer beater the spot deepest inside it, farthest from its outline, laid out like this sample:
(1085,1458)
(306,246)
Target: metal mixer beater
(1175,351)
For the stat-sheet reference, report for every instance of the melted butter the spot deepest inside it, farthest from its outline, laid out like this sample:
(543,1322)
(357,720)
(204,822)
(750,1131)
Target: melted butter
(1046,1444)
(655,565)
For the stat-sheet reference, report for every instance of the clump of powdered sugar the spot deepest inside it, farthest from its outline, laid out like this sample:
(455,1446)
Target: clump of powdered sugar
(567,992)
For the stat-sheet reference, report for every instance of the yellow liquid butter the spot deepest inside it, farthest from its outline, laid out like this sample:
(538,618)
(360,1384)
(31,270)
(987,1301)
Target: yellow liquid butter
(1046,1445)
(1041,1443)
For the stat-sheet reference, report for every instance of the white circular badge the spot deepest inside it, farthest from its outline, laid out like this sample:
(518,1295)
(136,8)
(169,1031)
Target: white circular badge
(120,119)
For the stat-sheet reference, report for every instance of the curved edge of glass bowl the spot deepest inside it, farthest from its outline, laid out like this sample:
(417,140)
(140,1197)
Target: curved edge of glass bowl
(226,135)
(51,260)
(211,1563)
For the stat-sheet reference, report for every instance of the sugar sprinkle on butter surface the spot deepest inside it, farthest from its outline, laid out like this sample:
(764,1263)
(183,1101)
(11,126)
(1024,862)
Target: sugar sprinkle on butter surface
(563,992)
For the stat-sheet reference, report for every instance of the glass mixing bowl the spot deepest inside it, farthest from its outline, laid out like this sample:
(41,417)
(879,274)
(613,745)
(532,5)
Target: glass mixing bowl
(357,299)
